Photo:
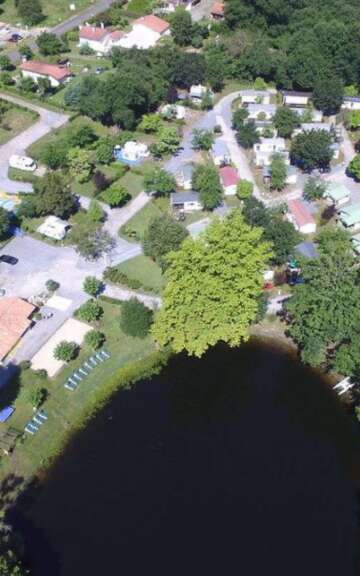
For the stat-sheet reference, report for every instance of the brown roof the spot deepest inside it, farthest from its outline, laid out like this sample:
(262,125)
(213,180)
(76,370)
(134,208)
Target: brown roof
(217,9)
(14,321)
(93,32)
(44,69)
(300,213)
(154,23)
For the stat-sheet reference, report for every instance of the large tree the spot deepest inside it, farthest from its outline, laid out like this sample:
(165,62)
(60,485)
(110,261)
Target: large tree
(181,27)
(312,149)
(159,181)
(4,222)
(285,121)
(30,11)
(324,311)
(52,195)
(328,94)
(213,287)
(206,181)
(278,172)
(248,135)
(163,236)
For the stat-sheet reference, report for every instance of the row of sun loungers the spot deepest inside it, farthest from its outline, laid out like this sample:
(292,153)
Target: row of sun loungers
(89,365)
(36,422)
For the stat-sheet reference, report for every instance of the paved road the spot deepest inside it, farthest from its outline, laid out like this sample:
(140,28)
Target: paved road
(47,122)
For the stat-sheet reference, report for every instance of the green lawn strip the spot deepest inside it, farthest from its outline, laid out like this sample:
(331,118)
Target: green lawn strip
(14,121)
(63,406)
(54,12)
(136,226)
(21,175)
(133,183)
(143,270)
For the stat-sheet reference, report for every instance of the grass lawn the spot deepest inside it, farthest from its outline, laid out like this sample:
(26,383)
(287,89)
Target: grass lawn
(135,228)
(55,11)
(133,183)
(14,121)
(63,406)
(145,270)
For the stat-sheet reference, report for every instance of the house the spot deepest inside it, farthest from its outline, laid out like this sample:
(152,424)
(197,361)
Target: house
(337,194)
(56,74)
(229,180)
(198,91)
(261,111)
(293,98)
(131,152)
(351,103)
(308,126)
(350,216)
(53,227)
(255,97)
(175,111)
(220,153)
(356,243)
(316,115)
(266,148)
(218,11)
(299,215)
(185,201)
(184,176)
(145,33)
(15,320)
(99,38)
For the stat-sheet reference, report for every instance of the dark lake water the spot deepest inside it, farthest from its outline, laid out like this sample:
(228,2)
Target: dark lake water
(241,463)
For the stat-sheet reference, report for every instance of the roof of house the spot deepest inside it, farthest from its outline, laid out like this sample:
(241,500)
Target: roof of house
(300,213)
(14,321)
(351,98)
(307,249)
(218,9)
(183,197)
(229,176)
(307,126)
(44,69)
(116,35)
(153,22)
(259,107)
(337,191)
(255,93)
(350,215)
(296,93)
(96,33)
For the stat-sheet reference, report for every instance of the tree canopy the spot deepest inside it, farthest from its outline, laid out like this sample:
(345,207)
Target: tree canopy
(213,287)
(312,149)
(163,236)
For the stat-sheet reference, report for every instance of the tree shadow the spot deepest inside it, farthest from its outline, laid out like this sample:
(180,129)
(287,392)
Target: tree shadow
(10,384)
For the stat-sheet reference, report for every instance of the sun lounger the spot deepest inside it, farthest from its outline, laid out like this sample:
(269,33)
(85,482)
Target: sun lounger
(74,382)
(93,361)
(32,426)
(75,375)
(105,354)
(29,430)
(99,357)
(38,420)
(42,414)
(82,371)
(70,386)
(88,366)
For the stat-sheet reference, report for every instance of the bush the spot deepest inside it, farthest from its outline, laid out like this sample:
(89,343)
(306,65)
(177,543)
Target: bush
(37,396)
(244,189)
(66,351)
(93,286)
(95,212)
(136,318)
(116,195)
(101,182)
(25,365)
(91,311)
(95,339)
(52,285)
(86,50)
(117,277)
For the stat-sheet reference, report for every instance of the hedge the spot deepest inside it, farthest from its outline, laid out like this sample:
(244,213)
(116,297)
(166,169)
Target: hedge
(113,274)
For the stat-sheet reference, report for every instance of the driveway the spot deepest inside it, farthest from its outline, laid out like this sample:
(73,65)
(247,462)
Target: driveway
(47,122)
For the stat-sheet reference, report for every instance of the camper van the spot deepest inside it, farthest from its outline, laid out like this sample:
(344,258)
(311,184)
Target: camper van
(22,163)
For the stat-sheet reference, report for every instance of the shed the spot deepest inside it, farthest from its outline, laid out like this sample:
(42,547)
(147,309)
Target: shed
(300,217)
(350,216)
(351,103)
(337,194)
(185,201)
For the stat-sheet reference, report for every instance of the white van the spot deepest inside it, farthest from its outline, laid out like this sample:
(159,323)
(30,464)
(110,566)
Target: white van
(22,163)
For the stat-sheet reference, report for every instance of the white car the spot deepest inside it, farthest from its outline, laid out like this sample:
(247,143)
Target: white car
(22,163)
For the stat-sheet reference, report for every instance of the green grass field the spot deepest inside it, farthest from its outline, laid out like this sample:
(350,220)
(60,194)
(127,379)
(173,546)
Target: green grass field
(145,270)
(135,228)
(55,11)
(14,121)
(63,406)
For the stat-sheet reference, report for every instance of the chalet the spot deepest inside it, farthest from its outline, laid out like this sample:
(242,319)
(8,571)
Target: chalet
(218,11)
(197,92)
(337,194)
(220,153)
(261,111)
(56,74)
(15,320)
(229,178)
(316,115)
(185,201)
(351,103)
(349,216)
(309,126)
(99,38)
(145,33)
(266,148)
(255,97)
(296,99)
(299,215)
(184,176)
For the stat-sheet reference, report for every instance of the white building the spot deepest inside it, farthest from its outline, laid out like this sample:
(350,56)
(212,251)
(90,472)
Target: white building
(229,178)
(255,97)
(198,91)
(267,147)
(351,103)
(316,115)
(99,38)
(169,6)
(185,201)
(145,33)
(300,217)
(337,194)
(134,151)
(53,227)
(294,98)
(56,74)
(175,111)
(265,111)
(308,126)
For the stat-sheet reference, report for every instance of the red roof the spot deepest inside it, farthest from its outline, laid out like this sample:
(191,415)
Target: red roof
(217,9)
(229,176)
(300,213)
(116,35)
(153,22)
(14,321)
(96,33)
(44,69)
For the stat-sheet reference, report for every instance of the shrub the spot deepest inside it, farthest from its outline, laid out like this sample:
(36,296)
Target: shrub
(86,50)
(116,195)
(25,365)
(244,189)
(66,351)
(52,285)
(117,277)
(100,181)
(91,311)
(95,339)
(93,286)
(95,212)
(136,318)
(37,396)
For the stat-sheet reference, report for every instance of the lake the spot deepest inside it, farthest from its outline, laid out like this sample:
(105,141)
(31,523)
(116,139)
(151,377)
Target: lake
(243,462)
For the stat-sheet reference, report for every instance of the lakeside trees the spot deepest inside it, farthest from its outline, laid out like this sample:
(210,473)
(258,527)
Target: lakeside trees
(213,287)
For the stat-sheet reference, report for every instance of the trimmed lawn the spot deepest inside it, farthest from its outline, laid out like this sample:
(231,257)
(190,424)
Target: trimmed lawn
(63,406)
(135,228)
(55,11)
(133,183)
(14,121)
(145,271)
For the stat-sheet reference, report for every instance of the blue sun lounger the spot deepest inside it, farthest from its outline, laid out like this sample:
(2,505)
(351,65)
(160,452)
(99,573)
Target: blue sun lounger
(73,382)
(99,357)
(76,376)
(88,366)
(29,430)
(82,371)
(42,414)
(70,386)
(38,420)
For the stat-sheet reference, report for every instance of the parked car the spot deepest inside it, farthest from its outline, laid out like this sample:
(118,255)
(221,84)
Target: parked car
(99,70)
(15,37)
(7,259)
(22,163)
